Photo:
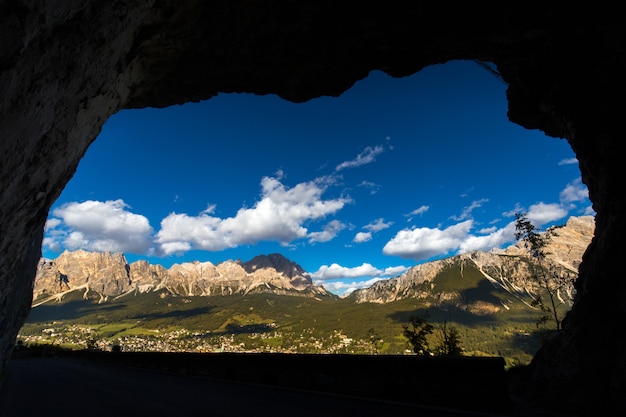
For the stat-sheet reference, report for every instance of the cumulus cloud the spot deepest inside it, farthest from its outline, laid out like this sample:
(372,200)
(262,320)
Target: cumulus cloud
(98,226)
(494,238)
(393,271)
(362,237)
(279,215)
(343,288)
(373,227)
(366,157)
(539,214)
(52,223)
(52,242)
(343,280)
(542,213)
(574,192)
(423,243)
(336,271)
(329,233)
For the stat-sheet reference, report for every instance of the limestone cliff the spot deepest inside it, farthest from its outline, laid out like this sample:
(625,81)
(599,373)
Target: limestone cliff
(105,273)
(109,275)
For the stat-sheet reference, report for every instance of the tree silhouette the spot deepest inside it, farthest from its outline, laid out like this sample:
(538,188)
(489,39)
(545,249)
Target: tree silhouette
(549,283)
(450,344)
(417,331)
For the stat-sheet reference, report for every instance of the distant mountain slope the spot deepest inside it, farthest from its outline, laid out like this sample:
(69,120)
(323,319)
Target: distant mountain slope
(83,297)
(501,276)
(109,275)
(448,281)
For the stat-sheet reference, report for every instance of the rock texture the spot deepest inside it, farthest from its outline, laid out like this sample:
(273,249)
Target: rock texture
(508,269)
(106,274)
(109,275)
(65,67)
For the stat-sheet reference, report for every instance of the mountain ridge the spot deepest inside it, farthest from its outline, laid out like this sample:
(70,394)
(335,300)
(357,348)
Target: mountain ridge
(110,275)
(506,269)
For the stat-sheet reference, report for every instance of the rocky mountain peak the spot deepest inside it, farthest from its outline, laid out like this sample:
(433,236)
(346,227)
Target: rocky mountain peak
(109,275)
(276,262)
(567,243)
(506,269)
(105,273)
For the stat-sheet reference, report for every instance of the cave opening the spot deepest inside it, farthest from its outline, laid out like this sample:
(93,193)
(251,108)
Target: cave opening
(355,189)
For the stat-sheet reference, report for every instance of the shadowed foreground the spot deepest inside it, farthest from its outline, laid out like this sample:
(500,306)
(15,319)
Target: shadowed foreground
(79,386)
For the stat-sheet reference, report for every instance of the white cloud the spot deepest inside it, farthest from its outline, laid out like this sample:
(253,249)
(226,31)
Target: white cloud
(467,211)
(488,230)
(423,243)
(210,209)
(52,243)
(330,232)
(333,277)
(589,211)
(373,187)
(336,271)
(496,238)
(98,226)
(52,223)
(343,288)
(419,211)
(377,225)
(539,214)
(542,213)
(568,161)
(342,280)
(362,237)
(373,227)
(394,271)
(279,215)
(574,192)
(367,156)
(175,247)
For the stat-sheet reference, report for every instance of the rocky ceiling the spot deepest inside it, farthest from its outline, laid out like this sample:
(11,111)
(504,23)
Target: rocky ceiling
(65,67)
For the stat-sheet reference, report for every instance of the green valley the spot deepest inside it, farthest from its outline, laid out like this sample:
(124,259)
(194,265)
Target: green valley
(160,321)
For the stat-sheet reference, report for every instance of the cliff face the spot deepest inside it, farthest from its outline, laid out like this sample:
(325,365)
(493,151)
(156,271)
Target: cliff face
(104,273)
(509,269)
(65,67)
(109,275)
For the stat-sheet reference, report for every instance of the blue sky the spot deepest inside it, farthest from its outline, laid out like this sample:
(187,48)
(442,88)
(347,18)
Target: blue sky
(356,188)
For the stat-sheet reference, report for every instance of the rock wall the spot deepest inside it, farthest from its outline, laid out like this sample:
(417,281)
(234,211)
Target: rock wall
(65,67)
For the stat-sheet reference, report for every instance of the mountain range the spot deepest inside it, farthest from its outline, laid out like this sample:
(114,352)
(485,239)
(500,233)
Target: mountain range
(108,275)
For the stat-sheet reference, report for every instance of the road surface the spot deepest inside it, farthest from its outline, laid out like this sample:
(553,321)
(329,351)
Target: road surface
(71,387)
